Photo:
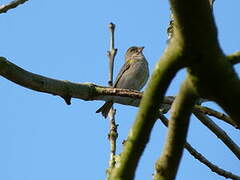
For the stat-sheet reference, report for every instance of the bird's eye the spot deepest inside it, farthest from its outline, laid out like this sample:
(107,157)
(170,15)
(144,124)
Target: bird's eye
(134,50)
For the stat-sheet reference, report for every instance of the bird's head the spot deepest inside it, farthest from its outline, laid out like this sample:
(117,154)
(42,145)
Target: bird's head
(134,52)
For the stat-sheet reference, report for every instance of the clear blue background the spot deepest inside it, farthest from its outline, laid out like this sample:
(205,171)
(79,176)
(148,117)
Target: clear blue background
(43,138)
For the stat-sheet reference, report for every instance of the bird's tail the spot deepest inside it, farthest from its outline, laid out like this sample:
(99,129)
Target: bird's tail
(105,108)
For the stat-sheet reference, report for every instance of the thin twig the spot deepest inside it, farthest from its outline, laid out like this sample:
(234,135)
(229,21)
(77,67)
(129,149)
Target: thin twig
(207,110)
(220,133)
(5,7)
(212,166)
(111,53)
(201,158)
(211,112)
(112,137)
(113,134)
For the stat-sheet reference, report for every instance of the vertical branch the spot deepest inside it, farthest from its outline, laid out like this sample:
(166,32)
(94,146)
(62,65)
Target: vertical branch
(111,54)
(167,164)
(112,135)
(170,28)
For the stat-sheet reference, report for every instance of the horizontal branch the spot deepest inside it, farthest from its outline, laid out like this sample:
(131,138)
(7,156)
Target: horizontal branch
(5,7)
(66,89)
(87,91)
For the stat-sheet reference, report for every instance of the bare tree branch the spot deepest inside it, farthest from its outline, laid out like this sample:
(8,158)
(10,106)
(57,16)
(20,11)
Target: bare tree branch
(11,5)
(198,62)
(206,56)
(220,133)
(201,158)
(113,134)
(219,115)
(234,58)
(86,91)
(167,165)
(205,110)
(213,167)
(111,53)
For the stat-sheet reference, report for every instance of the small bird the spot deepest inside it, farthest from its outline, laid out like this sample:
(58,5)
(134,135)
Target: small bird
(133,75)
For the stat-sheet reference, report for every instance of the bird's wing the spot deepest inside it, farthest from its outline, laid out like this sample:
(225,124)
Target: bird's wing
(125,67)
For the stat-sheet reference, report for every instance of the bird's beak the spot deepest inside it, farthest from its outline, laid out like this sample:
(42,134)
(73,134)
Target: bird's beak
(140,49)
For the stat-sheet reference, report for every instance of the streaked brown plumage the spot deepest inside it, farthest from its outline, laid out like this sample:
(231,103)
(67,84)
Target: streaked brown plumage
(133,75)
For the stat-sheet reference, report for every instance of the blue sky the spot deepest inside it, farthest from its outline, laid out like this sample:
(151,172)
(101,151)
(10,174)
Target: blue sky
(43,138)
